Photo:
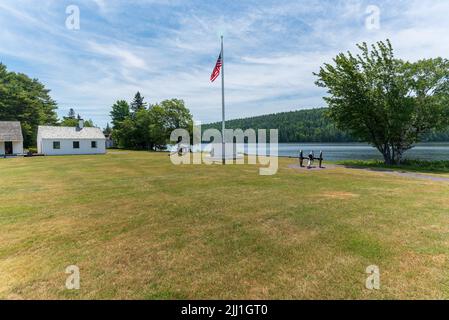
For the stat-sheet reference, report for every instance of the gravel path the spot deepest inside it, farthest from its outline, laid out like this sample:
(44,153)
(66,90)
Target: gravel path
(412,175)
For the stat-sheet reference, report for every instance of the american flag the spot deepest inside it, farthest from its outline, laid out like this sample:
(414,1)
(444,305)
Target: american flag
(217,69)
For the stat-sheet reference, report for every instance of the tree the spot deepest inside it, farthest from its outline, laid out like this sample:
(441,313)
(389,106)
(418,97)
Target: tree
(72,121)
(177,116)
(310,125)
(120,111)
(138,103)
(26,100)
(385,101)
(148,129)
(107,131)
(157,131)
(125,134)
(142,139)
(71,114)
(120,115)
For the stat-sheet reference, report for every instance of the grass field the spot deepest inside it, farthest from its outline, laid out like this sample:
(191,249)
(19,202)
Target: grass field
(438,167)
(139,227)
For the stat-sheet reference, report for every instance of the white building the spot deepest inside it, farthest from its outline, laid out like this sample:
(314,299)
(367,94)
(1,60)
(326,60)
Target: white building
(110,143)
(70,140)
(11,139)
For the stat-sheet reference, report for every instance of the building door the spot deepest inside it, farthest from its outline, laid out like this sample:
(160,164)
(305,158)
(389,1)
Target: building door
(8,148)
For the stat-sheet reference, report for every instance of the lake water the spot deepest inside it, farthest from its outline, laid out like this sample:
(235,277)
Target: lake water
(360,151)
(354,151)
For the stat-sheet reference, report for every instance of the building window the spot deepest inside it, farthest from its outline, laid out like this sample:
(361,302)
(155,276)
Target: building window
(93,144)
(56,145)
(76,144)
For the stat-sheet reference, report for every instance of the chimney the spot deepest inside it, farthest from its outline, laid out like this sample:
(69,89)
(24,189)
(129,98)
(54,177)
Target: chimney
(80,124)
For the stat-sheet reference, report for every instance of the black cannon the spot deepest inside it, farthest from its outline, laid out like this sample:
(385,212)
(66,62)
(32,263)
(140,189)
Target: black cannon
(302,158)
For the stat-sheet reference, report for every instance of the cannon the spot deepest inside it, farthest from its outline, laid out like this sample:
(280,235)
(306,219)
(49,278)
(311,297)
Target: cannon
(302,158)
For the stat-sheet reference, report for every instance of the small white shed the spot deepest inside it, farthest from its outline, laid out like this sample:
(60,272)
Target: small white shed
(70,140)
(11,139)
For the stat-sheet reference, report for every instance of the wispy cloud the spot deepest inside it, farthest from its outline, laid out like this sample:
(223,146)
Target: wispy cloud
(119,54)
(167,48)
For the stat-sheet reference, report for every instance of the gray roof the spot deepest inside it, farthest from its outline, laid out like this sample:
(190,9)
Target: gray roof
(47,132)
(10,131)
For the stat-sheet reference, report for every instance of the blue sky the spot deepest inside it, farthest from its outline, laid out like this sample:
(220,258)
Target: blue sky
(167,49)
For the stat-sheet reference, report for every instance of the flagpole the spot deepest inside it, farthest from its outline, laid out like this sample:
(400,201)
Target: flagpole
(223,125)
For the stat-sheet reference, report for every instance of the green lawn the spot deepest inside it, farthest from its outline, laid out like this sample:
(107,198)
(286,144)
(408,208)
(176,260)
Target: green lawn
(139,227)
(421,166)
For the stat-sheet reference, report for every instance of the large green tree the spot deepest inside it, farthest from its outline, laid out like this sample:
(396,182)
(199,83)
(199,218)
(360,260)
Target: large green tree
(120,132)
(26,100)
(120,111)
(385,101)
(176,114)
(157,129)
(148,128)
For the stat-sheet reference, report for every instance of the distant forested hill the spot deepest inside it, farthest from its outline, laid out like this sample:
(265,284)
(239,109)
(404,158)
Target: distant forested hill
(310,125)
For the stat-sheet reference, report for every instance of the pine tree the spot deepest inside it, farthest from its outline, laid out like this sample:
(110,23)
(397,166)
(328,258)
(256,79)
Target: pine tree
(138,103)
(107,131)
(72,120)
(71,114)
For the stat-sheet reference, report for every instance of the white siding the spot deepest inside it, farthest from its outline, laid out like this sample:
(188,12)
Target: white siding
(17,147)
(39,142)
(45,146)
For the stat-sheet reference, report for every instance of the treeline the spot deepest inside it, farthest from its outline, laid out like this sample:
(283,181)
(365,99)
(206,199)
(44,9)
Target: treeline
(311,125)
(142,126)
(437,136)
(295,126)
(26,100)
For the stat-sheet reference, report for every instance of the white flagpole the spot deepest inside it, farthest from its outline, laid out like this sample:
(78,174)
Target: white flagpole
(223,126)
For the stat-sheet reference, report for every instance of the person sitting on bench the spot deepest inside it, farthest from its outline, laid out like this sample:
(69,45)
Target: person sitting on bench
(311,159)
